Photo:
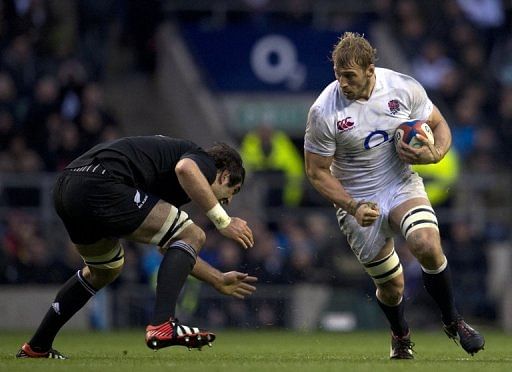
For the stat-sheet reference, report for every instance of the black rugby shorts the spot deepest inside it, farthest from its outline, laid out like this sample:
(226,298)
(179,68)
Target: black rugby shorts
(95,206)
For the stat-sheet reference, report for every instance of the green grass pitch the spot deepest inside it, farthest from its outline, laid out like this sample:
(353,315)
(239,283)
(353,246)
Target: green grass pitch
(259,350)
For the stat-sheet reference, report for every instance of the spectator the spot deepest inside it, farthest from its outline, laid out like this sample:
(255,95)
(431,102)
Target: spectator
(70,145)
(430,67)
(18,158)
(19,60)
(6,128)
(449,90)
(464,127)
(72,77)
(487,15)
(93,98)
(8,93)
(272,154)
(45,102)
(20,240)
(265,260)
(468,262)
(34,266)
(504,125)
(91,126)
(411,26)
(474,63)
(95,19)
(462,34)
(440,179)
(502,61)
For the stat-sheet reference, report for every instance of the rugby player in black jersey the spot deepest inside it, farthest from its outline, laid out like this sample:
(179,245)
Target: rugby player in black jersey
(133,188)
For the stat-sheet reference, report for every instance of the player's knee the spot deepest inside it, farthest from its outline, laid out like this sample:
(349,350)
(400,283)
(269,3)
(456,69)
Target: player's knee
(391,298)
(423,245)
(99,278)
(104,268)
(195,236)
(174,228)
(391,292)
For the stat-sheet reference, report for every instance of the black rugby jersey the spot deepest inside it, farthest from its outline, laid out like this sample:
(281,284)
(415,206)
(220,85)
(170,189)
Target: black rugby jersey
(148,162)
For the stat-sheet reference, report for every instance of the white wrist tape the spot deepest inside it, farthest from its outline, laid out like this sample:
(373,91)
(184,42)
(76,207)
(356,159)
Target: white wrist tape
(219,217)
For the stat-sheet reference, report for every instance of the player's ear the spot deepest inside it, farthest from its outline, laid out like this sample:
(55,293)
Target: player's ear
(370,70)
(218,177)
(223,177)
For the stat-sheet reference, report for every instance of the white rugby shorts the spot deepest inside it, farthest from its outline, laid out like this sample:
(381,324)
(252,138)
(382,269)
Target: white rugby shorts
(366,242)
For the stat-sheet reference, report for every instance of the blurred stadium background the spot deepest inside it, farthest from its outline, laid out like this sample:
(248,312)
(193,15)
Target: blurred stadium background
(76,72)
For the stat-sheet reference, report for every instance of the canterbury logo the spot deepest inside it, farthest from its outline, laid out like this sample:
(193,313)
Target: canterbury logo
(137,199)
(345,124)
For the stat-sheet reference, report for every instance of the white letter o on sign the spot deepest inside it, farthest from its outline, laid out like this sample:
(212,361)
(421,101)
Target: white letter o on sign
(286,59)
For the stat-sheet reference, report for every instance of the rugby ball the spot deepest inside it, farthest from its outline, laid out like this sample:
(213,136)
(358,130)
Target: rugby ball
(408,130)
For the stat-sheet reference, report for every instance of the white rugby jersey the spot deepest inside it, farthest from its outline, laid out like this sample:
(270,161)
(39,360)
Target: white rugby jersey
(359,134)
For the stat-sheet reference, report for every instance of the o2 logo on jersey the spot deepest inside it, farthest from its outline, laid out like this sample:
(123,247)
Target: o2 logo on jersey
(377,138)
(345,124)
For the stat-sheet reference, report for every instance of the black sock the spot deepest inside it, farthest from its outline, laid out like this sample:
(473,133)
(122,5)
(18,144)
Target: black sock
(396,319)
(439,286)
(177,263)
(73,295)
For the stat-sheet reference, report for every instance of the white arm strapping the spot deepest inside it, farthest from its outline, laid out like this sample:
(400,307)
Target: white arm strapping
(219,217)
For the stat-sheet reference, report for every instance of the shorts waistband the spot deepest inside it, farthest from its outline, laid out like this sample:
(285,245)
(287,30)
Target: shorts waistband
(93,168)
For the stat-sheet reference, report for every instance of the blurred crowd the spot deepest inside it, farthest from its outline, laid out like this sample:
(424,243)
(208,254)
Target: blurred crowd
(53,107)
(52,102)
(460,51)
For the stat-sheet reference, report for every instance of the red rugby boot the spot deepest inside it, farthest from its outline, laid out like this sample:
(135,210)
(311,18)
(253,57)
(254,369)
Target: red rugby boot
(173,333)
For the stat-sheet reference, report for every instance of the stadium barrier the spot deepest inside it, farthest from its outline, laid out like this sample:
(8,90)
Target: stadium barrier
(304,307)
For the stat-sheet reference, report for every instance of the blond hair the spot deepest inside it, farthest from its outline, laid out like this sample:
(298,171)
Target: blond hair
(352,48)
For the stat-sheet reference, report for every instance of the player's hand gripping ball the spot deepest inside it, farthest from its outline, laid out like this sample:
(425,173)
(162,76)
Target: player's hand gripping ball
(408,130)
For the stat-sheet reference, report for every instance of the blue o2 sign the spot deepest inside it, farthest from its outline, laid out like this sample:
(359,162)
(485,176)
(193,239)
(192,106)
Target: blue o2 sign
(245,57)
(274,60)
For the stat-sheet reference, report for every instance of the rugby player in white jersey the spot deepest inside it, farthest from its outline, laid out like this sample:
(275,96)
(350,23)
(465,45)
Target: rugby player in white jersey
(352,161)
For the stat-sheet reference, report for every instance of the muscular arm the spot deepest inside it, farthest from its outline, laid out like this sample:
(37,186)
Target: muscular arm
(206,273)
(441,130)
(199,190)
(319,174)
(232,283)
(429,153)
(195,184)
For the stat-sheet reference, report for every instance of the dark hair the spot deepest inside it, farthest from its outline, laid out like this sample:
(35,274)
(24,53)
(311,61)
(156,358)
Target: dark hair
(227,158)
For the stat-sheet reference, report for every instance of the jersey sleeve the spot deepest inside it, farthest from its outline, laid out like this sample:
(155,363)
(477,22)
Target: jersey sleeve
(205,164)
(319,137)
(421,105)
